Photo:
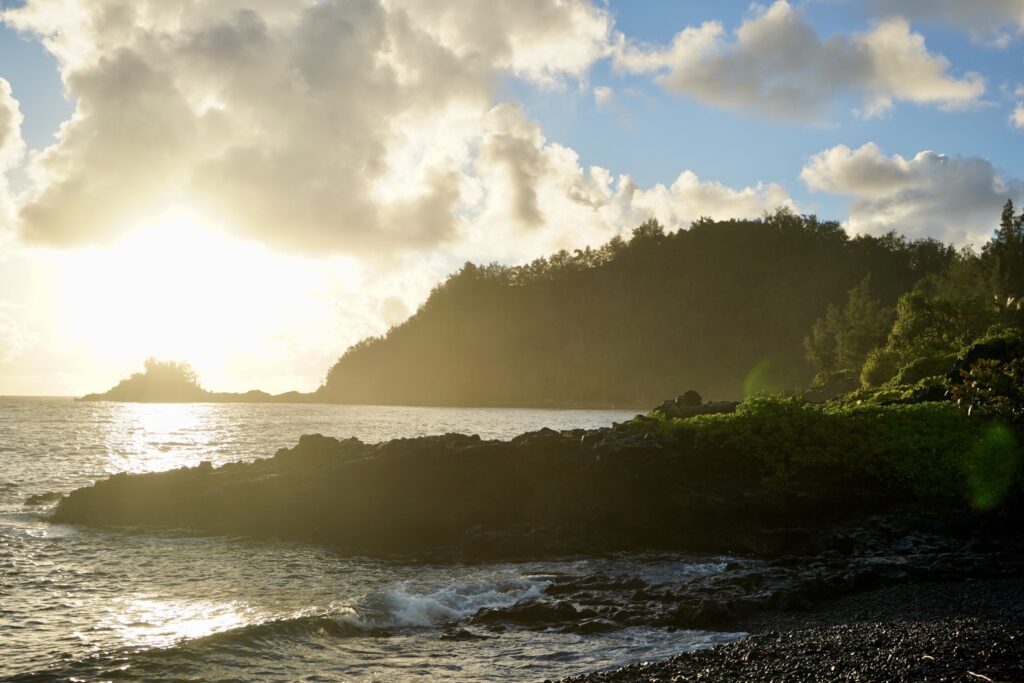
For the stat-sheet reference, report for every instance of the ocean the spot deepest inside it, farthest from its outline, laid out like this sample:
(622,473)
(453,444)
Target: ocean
(149,605)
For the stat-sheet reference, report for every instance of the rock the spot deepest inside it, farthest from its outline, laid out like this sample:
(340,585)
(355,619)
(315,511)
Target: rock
(691,404)
(690,399)
(543,494)
(461,635)
(43,498)
(530,613)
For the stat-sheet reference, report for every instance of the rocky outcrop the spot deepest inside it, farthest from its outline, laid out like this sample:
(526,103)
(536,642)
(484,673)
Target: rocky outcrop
(691,404)
(542,493)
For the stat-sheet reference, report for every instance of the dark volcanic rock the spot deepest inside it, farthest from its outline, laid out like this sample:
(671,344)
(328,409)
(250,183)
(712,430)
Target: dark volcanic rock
(43,498)
(884,551)
(543,493)
(691,404)
(535,613)
(964,631)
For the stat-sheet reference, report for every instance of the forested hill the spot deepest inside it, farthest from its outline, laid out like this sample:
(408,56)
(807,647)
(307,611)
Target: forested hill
(722,307)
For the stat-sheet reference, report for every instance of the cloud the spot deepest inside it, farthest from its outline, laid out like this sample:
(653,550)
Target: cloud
(539,40)
(995,22)
(313,127)
(1017,117)
(955,199)
(11,150)
(776,64)
(603,96)
(535,197)
(689,198)
(365,127)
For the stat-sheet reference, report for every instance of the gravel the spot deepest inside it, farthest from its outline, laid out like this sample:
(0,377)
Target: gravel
(971,631)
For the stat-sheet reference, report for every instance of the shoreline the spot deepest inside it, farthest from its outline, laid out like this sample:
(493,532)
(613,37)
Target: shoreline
(311,400)
(969,630)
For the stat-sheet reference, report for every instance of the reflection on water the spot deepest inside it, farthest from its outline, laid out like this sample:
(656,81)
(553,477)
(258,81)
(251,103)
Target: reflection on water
(102,604)
(146,621)
(154,437)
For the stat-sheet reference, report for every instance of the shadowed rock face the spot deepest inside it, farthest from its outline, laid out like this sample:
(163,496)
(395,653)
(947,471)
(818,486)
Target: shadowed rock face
(542,493)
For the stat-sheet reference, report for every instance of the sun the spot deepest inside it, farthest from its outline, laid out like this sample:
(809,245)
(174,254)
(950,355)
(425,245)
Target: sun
(179,288)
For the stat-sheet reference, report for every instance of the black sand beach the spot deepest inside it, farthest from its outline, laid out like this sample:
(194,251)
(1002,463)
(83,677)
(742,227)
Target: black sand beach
(966,631)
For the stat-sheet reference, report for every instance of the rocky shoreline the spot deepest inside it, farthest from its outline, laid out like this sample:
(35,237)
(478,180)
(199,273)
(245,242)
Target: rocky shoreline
(751,594)
(542,494)
(785,547)
(969,631)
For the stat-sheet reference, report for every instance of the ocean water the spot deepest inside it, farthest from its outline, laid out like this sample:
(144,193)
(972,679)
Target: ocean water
(135,604)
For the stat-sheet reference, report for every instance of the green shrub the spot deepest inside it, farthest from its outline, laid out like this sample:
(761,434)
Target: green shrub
(921,450)
(992,388)
(930,366)
(879,367)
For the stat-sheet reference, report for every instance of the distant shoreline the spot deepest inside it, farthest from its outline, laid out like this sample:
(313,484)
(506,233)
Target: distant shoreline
(313,399)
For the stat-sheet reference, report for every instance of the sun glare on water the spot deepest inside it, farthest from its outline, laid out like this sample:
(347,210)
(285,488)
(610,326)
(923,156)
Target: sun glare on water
(144,621)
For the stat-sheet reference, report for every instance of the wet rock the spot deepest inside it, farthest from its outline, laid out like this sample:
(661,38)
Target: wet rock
(937,632)
(531,613)
(43,498)
(461,635)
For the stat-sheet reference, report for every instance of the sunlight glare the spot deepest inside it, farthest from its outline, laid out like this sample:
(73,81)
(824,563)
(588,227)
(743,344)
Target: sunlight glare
(146,622)
(178,288)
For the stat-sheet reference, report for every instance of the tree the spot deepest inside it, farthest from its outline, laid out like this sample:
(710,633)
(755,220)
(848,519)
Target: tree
(843,338)
(944,311)
(1004,255)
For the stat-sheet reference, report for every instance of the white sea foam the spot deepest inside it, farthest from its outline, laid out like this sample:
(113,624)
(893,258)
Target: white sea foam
(405,605)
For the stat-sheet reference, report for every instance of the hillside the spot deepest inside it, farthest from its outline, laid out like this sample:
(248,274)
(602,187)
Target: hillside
(722,307)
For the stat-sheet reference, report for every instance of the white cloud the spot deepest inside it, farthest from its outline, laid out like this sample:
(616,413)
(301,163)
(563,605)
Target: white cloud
(776,64)
(955,199)
(363,127)
(537,198)
(689,198)
(11,150)
(327,126)
(995,22)
(540,40)
(1017,117)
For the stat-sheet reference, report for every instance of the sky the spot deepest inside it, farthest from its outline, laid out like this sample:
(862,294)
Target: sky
(252,186)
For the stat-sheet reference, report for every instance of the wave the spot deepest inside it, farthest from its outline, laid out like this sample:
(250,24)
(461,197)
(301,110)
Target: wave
(401,607)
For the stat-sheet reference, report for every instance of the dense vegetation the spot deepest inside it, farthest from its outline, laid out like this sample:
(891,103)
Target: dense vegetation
(866,341)
(722,307)
(893,444)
